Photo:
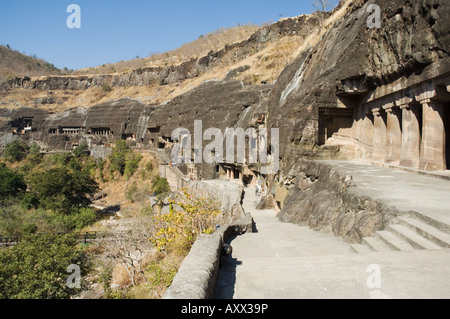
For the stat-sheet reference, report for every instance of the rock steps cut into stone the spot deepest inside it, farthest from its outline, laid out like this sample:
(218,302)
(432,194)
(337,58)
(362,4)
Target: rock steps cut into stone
(429,232)
(393,241)
(408,234)
(375,244)
(413,238)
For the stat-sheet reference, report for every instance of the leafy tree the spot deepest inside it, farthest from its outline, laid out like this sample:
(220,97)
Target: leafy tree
(29,229)
(188,219)
(12,184)
(124,160)
(61,190)
(132,161)
(16,151)
(81,151)
(118,157)
(36,268)
(160,185)
(74,164)
(61,159)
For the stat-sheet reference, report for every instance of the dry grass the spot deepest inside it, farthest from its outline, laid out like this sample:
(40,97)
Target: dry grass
(159,276)
(314,37)
(265,65)
(115,188)
(159,268)
(14,64)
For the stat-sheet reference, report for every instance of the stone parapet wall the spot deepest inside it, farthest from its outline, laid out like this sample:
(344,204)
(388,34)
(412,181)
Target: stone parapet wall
(196,278)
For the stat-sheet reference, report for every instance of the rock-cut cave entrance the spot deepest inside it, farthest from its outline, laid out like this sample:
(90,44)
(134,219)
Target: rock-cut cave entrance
(331,120)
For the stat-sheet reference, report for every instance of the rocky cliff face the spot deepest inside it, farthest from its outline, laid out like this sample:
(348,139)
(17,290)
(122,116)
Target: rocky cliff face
(336,72)
(320,199)
(218,104)
(192,68)
(351,59)
(339,72)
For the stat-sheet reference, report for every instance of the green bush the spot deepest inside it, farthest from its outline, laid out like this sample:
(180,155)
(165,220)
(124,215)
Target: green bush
(76,220)
(36,268)
(35,149)
(132,161)
(61,190)
(149,166)
(12,184)
(16,151)
(124,160)
(118,157)
(11,219)
(147,172)
(101,165)
(30,162)
(29,200)
(61,159)
(81,151)
(29,229)
(160,186)
(130,191)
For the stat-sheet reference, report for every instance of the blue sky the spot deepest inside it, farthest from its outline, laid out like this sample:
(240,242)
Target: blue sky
(112,31)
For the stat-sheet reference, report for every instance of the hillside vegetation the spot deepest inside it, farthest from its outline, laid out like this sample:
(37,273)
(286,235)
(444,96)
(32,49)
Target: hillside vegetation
(252,54)
(48,200)
(14,64)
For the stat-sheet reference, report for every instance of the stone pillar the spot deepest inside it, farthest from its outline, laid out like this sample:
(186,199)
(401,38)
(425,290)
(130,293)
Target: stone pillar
(432,150)
(379,135)
(393,134)
(410,155)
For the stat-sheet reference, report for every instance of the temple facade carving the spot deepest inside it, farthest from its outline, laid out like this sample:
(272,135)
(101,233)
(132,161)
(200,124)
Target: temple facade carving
(408,126)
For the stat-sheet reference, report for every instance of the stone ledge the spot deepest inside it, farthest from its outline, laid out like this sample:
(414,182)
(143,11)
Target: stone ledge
(196,278)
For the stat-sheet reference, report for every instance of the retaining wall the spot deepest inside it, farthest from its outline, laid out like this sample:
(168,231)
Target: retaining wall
(196,278)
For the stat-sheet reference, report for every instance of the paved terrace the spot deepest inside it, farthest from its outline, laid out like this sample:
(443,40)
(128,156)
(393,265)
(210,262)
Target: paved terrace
(286,261)
(408,191)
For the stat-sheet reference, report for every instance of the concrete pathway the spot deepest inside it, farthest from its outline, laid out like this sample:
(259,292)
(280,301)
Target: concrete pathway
(407,191)
(286,261)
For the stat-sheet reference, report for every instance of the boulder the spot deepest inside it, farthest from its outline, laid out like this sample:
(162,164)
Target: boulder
(267,202)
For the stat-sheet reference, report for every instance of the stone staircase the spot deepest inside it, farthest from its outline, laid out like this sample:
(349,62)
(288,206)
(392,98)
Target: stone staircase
(406,234)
